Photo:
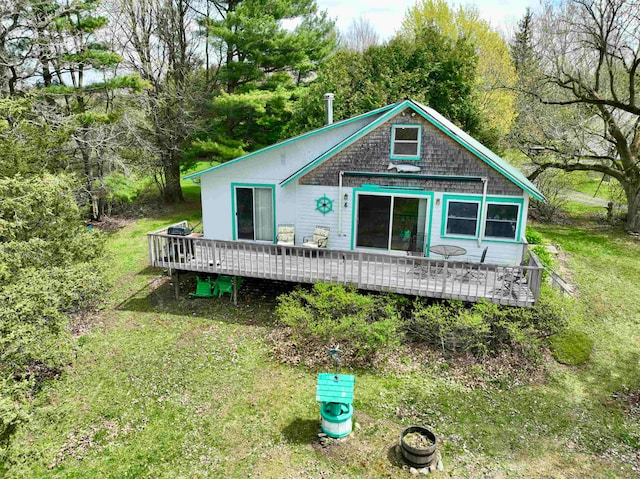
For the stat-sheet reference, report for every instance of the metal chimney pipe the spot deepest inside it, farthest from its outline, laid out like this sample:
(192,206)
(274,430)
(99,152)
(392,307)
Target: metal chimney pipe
(328,99)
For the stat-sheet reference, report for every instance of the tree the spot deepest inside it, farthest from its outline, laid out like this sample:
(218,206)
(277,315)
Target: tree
(522,50)
(158,38)
(262,66)
(495,73)
(55,50)
(586,93)
(428,67)
(49,267)
(360,35)
(29,144)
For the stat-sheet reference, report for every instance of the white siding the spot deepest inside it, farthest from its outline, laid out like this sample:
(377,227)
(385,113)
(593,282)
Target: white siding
(216,207)
(308,217)
(270,167)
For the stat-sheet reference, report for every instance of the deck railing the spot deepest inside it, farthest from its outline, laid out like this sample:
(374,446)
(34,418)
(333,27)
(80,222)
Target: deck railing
(513,285)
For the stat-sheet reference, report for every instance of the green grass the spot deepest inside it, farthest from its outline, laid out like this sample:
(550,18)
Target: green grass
(189,388)
(590,184)
(191,188)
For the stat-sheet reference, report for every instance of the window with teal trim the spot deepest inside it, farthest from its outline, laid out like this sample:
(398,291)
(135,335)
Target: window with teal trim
(502,220)
(462,218)
(405,141)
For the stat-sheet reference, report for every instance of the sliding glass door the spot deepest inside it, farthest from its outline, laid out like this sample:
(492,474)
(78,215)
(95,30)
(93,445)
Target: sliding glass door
(254,213)
(391,222)
(373,221)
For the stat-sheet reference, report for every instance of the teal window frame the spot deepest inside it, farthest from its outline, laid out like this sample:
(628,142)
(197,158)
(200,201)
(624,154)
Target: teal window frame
(234,219)
(393,141)
(392,191)
(447,199)
(517,221)
(482,218)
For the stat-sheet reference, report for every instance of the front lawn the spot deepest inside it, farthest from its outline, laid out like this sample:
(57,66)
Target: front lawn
(190,388)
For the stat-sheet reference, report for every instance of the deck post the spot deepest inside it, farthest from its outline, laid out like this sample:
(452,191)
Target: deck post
(176,285)
(445,276)
(235,290)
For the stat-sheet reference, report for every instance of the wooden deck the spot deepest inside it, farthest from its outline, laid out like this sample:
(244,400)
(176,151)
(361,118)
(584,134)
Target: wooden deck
(509,285)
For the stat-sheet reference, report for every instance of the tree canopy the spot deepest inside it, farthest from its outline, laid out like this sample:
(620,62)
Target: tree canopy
(583,113)
(429,67)
(494,69)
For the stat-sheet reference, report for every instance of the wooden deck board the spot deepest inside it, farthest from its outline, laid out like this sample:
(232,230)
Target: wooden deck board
(370,271)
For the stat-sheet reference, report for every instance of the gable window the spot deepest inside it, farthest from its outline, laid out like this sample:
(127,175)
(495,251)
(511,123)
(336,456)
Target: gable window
(405,142)
(502,220)
(462,218)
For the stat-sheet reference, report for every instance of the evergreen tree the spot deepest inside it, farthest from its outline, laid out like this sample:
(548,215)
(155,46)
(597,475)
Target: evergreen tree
(522,52)
(429,67)
(263,64)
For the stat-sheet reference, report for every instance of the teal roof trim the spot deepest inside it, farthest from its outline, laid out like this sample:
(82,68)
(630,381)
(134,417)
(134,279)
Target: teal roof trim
(477,148)
(449,129)
(290,140)
(398,107)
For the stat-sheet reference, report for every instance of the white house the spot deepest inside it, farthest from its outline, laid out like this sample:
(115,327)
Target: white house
(398,180)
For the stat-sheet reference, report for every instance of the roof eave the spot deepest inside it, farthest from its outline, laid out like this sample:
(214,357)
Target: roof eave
(288,141)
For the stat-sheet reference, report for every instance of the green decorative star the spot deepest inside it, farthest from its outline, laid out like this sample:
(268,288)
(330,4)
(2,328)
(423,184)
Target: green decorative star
(324,205)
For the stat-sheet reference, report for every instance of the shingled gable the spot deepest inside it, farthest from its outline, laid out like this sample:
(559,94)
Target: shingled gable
(442,124)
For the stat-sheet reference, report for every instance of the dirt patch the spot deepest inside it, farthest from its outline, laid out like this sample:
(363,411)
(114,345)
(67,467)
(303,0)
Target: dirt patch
(110,224)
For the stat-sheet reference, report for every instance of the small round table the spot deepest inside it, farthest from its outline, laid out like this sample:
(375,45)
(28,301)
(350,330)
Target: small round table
(448,250)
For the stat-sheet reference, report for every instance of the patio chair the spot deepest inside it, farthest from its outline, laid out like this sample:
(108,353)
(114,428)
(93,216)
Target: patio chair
(286,235)
(224,284)
(320,238)
(474,273)
(204,288)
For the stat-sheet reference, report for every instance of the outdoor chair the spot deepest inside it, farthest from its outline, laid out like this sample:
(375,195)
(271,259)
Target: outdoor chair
(320,238)
(286,235)
(474,273)
(224,284)
(204,288)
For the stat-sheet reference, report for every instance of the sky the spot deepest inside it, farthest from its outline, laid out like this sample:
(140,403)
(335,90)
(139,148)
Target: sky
(386,15)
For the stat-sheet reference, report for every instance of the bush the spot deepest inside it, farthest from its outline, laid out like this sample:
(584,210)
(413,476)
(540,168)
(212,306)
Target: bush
(543,255)
(484,328)
(331,314)
(450,326)
(571,347)
(49,268)
(533,237)
(11,414)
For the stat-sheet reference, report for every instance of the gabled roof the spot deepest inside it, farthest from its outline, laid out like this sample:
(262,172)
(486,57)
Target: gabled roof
(396,108)
(444,125)
(436,119)
(481,151)
(290,140)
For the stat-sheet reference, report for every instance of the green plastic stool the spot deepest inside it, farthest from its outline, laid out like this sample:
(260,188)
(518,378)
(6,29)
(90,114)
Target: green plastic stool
(224,284)
(204,288)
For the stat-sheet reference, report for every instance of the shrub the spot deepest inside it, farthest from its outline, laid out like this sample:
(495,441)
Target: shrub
(11,413)
(544,256)
(533,237)
(571,347)
(450,326)
(328,314)
(484,328)
(49,267)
